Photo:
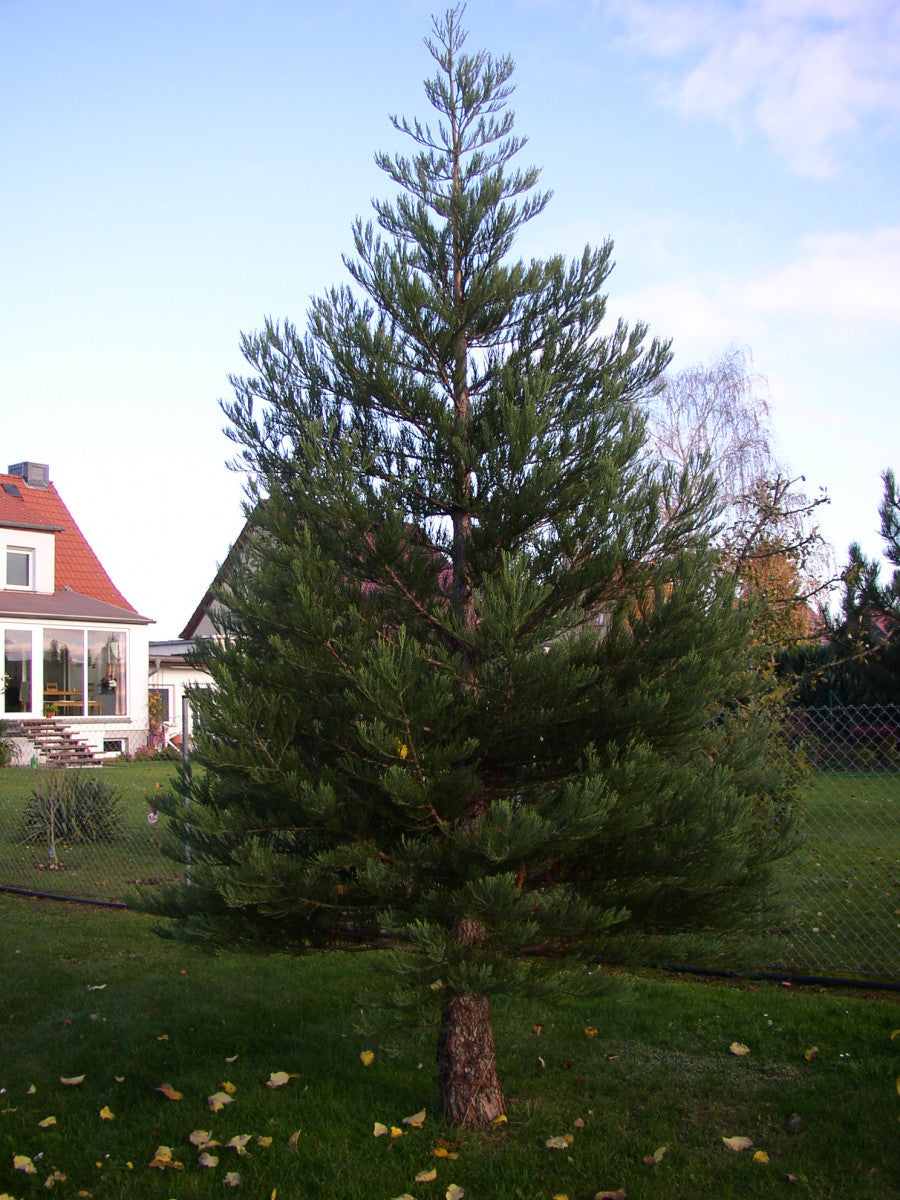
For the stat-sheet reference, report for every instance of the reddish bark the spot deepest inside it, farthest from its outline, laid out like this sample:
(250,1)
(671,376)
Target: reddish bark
(470,1092)
(468,1082)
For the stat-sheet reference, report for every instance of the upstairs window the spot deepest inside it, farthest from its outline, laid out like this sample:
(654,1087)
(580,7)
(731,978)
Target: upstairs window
(19,568)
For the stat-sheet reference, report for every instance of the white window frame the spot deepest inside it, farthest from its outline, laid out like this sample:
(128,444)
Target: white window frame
(28,553)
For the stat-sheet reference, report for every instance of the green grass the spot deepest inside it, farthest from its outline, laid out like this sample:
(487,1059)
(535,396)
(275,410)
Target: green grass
(101,870)
(658,1073)
(843,885)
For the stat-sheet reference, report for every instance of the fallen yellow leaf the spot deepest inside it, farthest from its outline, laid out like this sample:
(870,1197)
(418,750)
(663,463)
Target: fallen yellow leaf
(367,1057)
(811,1053)
(619,1194)
(442,1152)
(218,1100)
(73,1081)
(46,1123)
(232,1059)
(31,1090)
(119,1078)
(501,1120)
(21,1162)
(232,1179)
(454,1192)
(405,1196)
(200,1137)
(427,1176)
(761,1157)
(239,1142)
(169,1092)
(163,1159)
(379,1130)
(207,1160)
(559,1143)
(278,1079)
(396,1132)
(228,1087)
(739,1049)
(738,1143)
(590,1032)
(560,1196)
(53,1178)
(264,1141)
(106,1113)
(294,1139)
(416,1121)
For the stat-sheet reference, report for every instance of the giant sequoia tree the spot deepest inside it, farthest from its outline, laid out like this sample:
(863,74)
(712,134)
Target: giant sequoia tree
(474,699)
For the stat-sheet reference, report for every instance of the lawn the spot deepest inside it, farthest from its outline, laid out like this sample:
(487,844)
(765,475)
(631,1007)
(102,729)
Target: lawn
(94,993)
(843,885)
(102,870)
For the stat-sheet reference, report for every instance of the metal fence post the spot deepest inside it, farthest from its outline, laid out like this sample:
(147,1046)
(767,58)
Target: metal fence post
(185,777)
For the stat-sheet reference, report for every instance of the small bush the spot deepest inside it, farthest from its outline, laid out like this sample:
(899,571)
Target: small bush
(167,753)
(73,807)
(7,745)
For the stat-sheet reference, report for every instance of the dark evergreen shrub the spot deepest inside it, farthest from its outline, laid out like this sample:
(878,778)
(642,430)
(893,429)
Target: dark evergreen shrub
(73,807)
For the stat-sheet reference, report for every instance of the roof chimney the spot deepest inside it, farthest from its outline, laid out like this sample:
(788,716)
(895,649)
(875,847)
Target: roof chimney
(36,475)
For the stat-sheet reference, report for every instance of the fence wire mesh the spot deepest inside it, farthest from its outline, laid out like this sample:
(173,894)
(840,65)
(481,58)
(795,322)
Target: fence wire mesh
(88,832)
(844,882)
(93,834)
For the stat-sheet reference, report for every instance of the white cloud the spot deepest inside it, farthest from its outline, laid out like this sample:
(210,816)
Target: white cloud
(700,320)
(838,289)
(807,74)
(850,282)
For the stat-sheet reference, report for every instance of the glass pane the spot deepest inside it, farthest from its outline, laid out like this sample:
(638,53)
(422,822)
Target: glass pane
(159,705)
(63,672)
(18,568)
(106,673)
(17,690)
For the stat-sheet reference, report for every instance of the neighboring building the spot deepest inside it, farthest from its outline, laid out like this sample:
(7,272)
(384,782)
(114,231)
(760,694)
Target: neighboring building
(172,676)
(74,651)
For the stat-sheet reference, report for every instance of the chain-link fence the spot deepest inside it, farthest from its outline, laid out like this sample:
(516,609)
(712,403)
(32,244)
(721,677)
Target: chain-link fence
(91,832)
(844,882)
(94,834)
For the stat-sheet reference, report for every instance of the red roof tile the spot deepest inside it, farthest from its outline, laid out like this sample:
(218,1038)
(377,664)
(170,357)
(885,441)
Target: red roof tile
(77,567)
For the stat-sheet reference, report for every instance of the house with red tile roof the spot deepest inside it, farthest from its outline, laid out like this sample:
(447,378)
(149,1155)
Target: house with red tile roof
(73,651)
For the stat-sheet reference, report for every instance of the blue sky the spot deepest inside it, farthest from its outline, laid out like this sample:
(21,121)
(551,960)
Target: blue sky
(175,171)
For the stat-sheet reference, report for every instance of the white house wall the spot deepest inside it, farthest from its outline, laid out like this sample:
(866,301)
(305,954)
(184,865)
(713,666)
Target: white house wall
(177,679)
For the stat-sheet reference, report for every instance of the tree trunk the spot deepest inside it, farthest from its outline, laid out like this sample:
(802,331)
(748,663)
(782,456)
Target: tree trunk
(467,1067)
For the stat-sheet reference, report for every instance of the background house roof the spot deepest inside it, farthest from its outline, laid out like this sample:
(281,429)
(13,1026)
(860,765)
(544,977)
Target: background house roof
(78,571)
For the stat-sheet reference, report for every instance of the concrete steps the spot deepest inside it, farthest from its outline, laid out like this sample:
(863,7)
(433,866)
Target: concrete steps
(57,746)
